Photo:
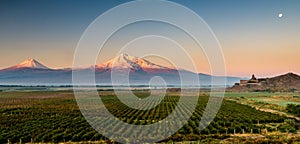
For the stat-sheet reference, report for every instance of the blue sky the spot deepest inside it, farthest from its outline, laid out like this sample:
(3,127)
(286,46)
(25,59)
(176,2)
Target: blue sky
(49,30)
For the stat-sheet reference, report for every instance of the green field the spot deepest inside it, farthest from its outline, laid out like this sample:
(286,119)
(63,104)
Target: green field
(257,94)
(53,116)
(280,102)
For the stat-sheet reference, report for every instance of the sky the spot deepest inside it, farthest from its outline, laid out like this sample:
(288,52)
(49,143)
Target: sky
(254,39)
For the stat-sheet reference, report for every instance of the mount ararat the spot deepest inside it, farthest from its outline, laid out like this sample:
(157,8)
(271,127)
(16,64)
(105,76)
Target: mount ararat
(32,72)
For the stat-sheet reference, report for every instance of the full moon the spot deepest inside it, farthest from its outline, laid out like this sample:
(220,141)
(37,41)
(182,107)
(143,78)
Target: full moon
(280,15)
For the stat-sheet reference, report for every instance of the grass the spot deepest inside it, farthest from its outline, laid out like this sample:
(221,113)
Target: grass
(280,99)
(277,101)
(254,94)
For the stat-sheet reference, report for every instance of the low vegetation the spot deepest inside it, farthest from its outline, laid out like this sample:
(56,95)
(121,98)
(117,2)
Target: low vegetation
(55,117)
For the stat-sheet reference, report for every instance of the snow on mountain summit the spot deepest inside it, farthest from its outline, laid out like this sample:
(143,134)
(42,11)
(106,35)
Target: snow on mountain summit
(29,63)
(124,61)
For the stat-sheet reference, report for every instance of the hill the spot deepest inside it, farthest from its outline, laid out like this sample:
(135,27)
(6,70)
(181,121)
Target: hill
(289,82)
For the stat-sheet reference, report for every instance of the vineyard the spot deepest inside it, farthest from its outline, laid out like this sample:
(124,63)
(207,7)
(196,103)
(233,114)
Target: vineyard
(55,117)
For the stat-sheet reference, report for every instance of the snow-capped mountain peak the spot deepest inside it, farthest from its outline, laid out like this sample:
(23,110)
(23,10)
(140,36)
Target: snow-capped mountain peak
(29,63)
(124,61)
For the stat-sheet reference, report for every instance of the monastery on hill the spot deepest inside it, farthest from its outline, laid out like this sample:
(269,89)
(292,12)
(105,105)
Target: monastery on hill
(252,81)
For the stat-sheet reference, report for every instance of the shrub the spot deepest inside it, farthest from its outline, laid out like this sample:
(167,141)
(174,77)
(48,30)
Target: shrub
(293,109)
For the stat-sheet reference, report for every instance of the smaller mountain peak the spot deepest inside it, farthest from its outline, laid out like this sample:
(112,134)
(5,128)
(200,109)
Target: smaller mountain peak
(30,63)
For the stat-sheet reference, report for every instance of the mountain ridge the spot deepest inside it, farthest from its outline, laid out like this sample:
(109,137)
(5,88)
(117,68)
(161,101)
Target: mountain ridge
(140,72)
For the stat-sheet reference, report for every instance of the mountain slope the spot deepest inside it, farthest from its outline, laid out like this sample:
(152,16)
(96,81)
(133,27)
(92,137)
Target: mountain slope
(284,82)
